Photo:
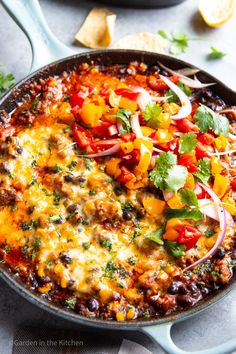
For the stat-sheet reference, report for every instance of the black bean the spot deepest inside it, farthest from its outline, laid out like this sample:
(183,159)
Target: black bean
(5,168)
(93,305)
(80,308)
(31,209)
(173,288)
(118,191)
(74,179)
(58,221)
(65,258)
(73,208)
(52,169)
(127,215)
(140,213)
(19,150)
(184,300)
(182,289)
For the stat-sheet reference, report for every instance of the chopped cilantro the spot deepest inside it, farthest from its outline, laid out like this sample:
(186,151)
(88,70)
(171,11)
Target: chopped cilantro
(189,197)
(88,164)
(72,165)
(207,120)
(106,244)
(215,273)
(151,115)
(32,181)
(194,214)
(86,245)
(215,54)
(175,249)
(92,192)
(167,175)
(172,97)
(31,225)
(156,236)
(188,142)
(71,302)
(57,198)
(85,222)
(66,97)
(7,248)
(124,114)
(37,244)
(34,163)
(110,269)
(177,41)
(34,103)
(127,207)
(131,261)
(46,192)
(205,172)
(209,233)
(55,218)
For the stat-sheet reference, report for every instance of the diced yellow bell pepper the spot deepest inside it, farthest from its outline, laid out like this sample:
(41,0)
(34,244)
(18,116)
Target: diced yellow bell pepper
(112,167)
(128,104)
(190,183)
(145,158)
(147,131)
(153,206)
(147,143)
(165,120)
(175,202)
(172,108)
(220,185)
(163,136)
(171,235)
(216,166)
(127,147)
(90,114)
(176,224)
(220,143)
(229,204)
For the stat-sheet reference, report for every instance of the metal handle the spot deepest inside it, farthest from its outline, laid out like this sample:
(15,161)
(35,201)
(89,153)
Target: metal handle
(29,17)
(162,335)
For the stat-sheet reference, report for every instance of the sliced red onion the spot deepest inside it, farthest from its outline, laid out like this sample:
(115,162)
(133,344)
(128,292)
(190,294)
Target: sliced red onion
(160,98)
(143,99)
(227,152)
(186,108)
(119,127)
(208,208)
(167,195)
(223,225)
(113,150)
(188,71)
(230,110)
(135,125)
(158,150)
(113,130)
(186,80)
(232,136)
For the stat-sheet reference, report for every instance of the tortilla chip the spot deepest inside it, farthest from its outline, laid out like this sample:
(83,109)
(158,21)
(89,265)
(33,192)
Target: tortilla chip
(141,41)
(98,29)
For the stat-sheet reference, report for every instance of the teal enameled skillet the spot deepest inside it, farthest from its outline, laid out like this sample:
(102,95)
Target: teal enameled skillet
(46,49)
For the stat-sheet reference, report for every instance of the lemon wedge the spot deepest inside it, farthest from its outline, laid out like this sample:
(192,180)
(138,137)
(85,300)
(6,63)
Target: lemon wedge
(216,12)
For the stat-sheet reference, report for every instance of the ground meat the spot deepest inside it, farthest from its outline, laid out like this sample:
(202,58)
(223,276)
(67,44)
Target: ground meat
(8,197)
(11,147)
(5,168)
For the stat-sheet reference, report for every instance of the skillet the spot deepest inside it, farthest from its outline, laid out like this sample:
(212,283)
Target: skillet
(46,48)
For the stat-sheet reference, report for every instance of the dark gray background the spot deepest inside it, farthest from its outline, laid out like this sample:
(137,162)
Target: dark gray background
(215,325)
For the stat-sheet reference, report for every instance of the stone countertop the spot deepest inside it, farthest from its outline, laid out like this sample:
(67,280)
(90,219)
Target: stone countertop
(213,326)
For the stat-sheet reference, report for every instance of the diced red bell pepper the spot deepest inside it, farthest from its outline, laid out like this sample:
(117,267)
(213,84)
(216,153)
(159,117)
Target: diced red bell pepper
(200,192)
(159,84)
(101,145)
(82,136)
(189,236)
(173,146)
(186,126)
(233,183)
(201,151)
(127,137)
(77,99)
(187,160)
(206,138)
(102,130)
(127,93)
(125,175)
(194,108)
(132,158)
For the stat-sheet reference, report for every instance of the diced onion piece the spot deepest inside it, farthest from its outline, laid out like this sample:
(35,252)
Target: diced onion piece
(167,195)
(186,108)
(226,152)
(135,125)
(186,80)
(113,130)
(208,208)
(187,71)
(143,99)
(156,149)
(111,151)
(223,225)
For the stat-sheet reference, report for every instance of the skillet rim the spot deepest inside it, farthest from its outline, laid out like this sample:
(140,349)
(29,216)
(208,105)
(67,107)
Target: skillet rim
(14,282)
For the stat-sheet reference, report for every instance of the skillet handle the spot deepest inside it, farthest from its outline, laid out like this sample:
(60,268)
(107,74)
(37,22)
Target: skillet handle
(29,17)
(162,335)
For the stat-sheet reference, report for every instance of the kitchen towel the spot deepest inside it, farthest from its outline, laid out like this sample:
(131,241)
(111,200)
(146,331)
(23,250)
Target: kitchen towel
(36,340)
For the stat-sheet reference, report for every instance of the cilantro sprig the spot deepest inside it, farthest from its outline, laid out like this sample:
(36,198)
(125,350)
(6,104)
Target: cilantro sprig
(215,54)
(156,236)
(188,142)
(177,41)
(167,175)
(205,171)
(188,197)
(6,81)
(207,120)
(152,114)
(124,115)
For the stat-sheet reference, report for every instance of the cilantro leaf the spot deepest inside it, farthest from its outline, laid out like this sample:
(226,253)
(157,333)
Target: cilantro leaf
(188,197)
(179,42)
(175,249)
(151,115)
(207,120)
(187,142)
(194,214)
(156,236)
(172,97)
(6,82)
(204,174)
(215,54)
(124,114)
(167,175)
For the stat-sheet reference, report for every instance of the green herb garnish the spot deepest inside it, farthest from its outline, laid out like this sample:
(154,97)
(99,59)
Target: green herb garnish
(205,172)
(175,249)
(215,54)
(194,214)
(152,114)
(207,120)
(6,82)
(188,197)
(124,114)
(188,142)
(156,236)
